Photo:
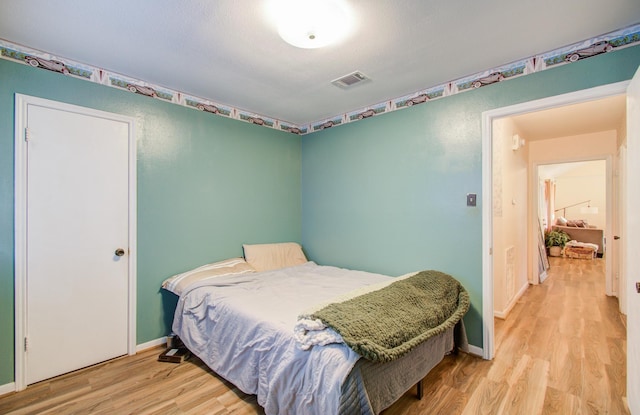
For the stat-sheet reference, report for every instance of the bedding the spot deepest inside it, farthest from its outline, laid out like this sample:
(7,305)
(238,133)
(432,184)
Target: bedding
(242,327)
(177,283)
(427,303)
(265,257)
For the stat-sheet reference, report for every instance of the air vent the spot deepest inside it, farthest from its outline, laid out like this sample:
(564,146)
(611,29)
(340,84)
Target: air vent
(350,79)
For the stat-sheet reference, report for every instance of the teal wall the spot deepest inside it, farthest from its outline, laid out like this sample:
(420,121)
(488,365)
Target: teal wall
(206,185)
(388,194)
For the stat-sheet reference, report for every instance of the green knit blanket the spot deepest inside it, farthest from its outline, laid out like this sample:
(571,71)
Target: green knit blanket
(384,325)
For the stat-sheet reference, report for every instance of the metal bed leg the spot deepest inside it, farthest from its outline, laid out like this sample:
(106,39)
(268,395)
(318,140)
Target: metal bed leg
(420,387)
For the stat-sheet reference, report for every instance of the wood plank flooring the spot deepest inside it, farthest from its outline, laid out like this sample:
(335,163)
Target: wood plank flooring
(560,351)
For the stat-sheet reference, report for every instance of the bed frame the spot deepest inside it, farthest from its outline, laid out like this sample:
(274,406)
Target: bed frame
(385,383)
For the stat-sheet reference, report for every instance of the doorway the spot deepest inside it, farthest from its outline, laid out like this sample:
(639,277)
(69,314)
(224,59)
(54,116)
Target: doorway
(487,188)
(572,197)
(75,238)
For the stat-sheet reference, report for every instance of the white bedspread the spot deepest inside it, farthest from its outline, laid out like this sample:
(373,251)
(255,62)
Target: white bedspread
(242,327)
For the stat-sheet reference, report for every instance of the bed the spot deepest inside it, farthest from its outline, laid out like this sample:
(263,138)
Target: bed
(248,321)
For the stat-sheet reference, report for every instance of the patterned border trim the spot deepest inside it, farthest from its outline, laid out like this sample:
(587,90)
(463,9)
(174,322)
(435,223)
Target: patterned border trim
(602,44)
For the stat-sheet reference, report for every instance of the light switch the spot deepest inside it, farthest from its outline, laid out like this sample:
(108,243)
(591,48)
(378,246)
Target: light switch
(471,199)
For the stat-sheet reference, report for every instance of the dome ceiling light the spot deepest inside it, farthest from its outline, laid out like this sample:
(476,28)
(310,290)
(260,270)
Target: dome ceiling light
(311,24)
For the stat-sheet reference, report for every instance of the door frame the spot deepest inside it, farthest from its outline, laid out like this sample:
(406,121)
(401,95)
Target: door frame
(610,290)
(487,193)
(22,102)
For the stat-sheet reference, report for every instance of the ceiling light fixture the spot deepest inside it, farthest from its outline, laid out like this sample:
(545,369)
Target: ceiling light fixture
(311,24)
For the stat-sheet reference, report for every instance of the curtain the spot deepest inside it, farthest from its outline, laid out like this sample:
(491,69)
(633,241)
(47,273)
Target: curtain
(549,202)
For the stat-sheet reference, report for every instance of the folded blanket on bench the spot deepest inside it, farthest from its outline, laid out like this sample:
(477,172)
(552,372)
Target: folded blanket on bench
(386,323)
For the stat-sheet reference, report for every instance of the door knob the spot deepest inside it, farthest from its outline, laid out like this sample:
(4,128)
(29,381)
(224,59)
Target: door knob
(615,237)
(119,252)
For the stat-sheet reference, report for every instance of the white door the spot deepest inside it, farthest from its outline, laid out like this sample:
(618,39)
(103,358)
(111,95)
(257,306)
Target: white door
(77,239)
(632,243)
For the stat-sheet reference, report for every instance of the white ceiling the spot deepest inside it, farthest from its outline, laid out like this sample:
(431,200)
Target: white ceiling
(552,171)
(587,117)
(229,52)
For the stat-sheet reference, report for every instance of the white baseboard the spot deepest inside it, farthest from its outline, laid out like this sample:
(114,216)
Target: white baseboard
(150,344)
(475,350)
(8,388)
(504,313)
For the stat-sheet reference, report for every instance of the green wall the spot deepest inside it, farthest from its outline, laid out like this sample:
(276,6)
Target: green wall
(206,185)
(388,194)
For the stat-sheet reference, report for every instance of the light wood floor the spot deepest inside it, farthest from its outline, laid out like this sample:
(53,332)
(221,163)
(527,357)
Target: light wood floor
(560,351)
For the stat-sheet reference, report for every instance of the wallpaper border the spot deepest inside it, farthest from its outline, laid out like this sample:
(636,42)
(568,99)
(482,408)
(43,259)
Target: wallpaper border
(601,44)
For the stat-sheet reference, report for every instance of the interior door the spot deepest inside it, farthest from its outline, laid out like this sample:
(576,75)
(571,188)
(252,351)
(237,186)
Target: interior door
(76,240)
(632,243)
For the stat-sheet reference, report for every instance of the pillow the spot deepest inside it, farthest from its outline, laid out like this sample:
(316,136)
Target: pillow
(561,221)
(577,223)
(231,266)
(265,257)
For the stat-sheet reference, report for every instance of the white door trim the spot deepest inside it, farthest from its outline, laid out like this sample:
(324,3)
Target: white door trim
(20,205)
(487,192)
(630,237)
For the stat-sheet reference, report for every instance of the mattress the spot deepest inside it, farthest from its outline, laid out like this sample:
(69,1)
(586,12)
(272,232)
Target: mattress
(241,326)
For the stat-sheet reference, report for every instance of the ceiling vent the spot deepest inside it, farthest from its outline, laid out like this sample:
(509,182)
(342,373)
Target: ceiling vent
(350,80)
